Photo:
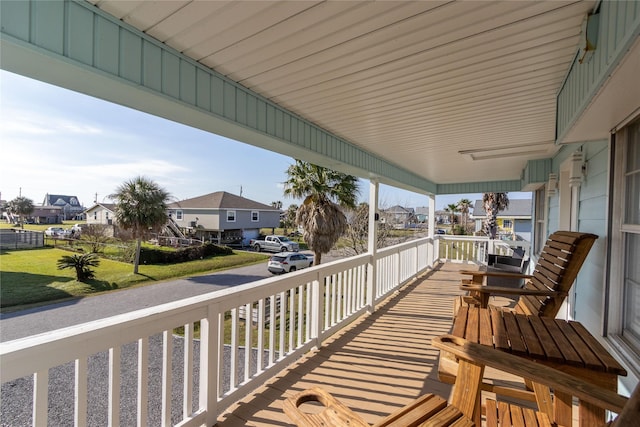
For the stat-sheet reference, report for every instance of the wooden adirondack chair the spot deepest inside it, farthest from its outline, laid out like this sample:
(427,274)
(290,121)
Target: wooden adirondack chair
(465,406)
(548,286)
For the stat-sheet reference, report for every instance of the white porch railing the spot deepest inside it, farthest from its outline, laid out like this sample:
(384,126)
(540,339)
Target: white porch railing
(278,318)
(474,249)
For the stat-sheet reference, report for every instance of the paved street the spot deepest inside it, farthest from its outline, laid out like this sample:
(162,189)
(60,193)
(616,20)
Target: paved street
(55,316)
(16,396)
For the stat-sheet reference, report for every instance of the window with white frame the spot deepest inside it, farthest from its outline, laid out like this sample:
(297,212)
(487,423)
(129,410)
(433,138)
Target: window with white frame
(231,216)
(624,309)
(179,216)
(507,224)
(255,216)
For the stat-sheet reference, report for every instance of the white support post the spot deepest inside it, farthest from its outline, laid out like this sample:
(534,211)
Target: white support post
(372,246)
(432,229)
(317,310)
(209,374)
(40,398)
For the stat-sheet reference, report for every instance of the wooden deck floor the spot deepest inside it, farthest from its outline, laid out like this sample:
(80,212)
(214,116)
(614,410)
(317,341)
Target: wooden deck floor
(379,364)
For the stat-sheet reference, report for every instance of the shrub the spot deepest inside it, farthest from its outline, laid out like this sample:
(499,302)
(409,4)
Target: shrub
(81,264)
(191,253)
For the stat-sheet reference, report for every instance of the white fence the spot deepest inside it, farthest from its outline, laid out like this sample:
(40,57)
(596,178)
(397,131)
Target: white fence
(288,315)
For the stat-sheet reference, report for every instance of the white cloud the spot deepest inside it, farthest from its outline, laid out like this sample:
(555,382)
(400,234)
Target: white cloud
(22,123)
(120,172)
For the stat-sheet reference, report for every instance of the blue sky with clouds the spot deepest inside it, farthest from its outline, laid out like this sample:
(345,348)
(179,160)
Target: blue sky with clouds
(61,142)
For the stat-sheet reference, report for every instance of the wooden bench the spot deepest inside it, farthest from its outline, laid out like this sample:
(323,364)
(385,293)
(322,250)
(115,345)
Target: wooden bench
(545,290)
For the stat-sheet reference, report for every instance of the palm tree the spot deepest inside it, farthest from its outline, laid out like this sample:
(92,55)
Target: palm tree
(320,216)
(452,208)
(141,206)
(493,203)
(463,207)
(21,206)
(81,264)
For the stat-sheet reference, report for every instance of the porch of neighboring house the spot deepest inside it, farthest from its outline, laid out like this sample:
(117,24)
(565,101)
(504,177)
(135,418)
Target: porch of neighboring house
(378,364)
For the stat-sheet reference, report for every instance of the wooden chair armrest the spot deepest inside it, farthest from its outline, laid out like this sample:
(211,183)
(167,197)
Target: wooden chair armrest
(505,290)
(334,413)
(505,274)
(488,356)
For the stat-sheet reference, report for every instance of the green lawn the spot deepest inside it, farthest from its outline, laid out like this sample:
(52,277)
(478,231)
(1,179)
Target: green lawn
(31,277)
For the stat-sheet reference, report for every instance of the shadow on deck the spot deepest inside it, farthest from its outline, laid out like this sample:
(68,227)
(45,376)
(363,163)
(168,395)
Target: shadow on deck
(379,364)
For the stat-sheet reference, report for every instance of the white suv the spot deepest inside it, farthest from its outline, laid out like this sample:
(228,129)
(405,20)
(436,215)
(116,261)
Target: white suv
(285,262)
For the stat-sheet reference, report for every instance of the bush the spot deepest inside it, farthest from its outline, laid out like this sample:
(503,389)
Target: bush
(81,264)
(192,253)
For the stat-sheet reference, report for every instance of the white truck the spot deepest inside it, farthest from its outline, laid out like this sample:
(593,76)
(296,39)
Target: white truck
(275,244)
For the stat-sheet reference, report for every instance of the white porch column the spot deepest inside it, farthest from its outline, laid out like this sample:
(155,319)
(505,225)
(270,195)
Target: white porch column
(371,245)
(432,230)
(432,215)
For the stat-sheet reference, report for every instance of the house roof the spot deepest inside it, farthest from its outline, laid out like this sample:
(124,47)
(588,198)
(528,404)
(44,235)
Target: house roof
(422,210)
(108,206)
(517,208)
(397,209)
(60,200)
(220,200)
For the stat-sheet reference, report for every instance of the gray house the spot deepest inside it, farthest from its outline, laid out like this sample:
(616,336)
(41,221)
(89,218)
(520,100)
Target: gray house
(70,205)
(514,221)
(399,217)
(223,217)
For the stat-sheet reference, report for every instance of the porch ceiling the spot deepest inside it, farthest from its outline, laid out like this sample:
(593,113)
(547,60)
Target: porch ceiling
(452,91)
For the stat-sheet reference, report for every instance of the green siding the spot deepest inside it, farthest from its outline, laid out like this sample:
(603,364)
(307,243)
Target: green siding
(479,187)
(618,28)
(592,218)
(536,172)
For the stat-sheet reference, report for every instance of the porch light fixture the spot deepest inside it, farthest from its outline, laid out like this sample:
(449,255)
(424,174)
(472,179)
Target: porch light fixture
(552,185)
(577,169)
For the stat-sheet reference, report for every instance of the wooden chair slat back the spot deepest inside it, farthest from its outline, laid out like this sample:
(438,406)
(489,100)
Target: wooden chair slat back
(530,305)
(561,260)
(554,270)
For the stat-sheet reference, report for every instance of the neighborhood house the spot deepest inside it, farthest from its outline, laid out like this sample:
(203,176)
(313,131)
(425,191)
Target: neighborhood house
(223,217)
(513,222)
(70,207)
(101,213)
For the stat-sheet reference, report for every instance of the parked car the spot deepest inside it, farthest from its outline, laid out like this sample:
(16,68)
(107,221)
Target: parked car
(76,230)
(440,231)
(284,262)
(274,244)
(55,231)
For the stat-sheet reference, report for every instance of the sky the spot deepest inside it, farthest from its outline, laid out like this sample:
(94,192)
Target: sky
(57,141)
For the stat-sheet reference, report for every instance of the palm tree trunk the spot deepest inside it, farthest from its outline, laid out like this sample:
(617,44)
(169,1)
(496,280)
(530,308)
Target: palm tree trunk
(317,258)
(136,261)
